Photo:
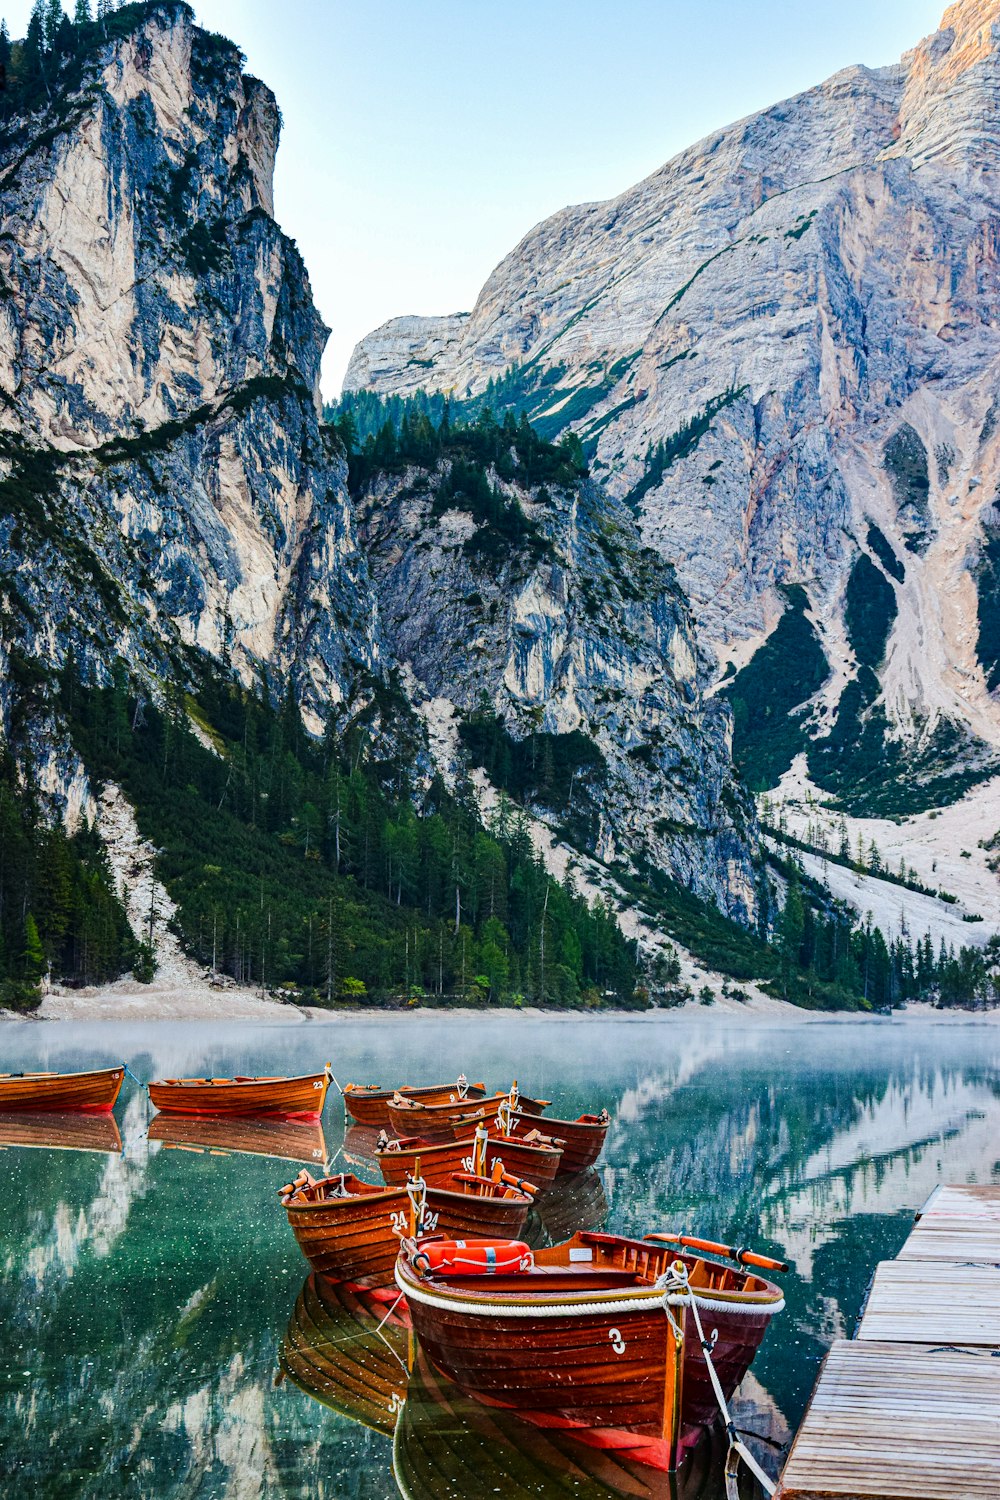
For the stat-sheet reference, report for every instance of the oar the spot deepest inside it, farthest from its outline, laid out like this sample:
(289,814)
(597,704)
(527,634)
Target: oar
(729,1252)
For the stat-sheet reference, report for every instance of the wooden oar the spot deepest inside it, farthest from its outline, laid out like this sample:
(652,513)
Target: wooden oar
(729,1252)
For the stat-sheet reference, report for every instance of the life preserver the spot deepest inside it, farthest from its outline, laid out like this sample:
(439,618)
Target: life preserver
(472,1257)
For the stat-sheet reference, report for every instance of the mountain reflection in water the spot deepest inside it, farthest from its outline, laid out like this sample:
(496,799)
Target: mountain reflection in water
(161,1339)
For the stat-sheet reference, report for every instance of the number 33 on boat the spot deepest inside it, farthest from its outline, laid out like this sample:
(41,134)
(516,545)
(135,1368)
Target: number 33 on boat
(599,1332)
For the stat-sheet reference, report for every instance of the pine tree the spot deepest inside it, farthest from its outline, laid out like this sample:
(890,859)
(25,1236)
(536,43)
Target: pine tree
(33,963)
(81,13)
(34,44)
(4,46)
(52,18)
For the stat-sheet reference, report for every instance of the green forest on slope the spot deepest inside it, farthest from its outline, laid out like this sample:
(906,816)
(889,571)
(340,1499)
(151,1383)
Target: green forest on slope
(314,866)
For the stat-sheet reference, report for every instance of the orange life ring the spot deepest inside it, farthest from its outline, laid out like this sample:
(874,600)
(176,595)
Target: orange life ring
(473,1257)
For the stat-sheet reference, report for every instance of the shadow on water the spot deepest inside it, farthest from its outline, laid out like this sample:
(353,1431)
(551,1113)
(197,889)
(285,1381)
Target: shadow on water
(148,1280)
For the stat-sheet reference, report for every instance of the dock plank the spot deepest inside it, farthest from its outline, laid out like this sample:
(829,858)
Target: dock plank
(899,1421)
(927,1302)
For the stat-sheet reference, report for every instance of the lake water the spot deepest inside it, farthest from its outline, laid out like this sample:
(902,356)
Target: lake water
(146,1294)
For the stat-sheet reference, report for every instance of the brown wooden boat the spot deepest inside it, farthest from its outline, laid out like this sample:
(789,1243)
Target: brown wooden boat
(351,1231)
(599,1332)
(537,1163)
(95,1093)
(349,1350)
(40,1130)
(266,1098)
(439,1122)
(288,1140)
(449,1446)
(368,1103)
(582,1140)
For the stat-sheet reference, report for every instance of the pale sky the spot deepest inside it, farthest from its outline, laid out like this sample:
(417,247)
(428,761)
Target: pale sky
(423,138)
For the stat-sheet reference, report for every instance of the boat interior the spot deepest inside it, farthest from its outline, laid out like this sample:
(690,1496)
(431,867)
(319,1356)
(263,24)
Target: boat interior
(606,1262)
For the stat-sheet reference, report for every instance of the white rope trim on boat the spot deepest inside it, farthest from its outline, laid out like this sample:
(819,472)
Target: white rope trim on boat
(641,1303)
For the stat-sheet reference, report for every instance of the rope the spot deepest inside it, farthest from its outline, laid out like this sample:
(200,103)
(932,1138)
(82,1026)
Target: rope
(736,1443)
(565,1308)
(133,1077)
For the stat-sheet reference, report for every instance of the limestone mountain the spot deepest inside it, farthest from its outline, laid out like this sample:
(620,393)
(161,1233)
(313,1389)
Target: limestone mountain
(781,351)
(178,534)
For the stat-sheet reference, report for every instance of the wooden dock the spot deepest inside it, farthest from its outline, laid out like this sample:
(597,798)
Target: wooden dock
(910,1409)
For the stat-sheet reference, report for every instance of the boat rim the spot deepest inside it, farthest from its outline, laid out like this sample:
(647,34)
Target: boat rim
(235,1083)
(115,1068)
(553,1304)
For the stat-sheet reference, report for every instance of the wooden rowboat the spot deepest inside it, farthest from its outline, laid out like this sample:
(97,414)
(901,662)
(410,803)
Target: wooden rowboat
(599,1332)
(448,1446)
(288,1140)
(368,1103)
(438,1122)
(266,1098)
(348,1350)
(41,1130)
(351,1231)
(94,1093)
(582,1140)
(397,1160)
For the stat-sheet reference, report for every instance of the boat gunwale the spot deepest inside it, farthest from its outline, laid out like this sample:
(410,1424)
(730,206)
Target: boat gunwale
(408,1145)
(112,1068)
(236,1083)
(510,1196)
(639,1298)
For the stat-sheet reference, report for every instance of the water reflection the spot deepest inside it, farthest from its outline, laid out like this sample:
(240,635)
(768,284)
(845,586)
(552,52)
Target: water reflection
(290,1140)
(449,1447)
(146,1292)
(350,1349)
(39,1130)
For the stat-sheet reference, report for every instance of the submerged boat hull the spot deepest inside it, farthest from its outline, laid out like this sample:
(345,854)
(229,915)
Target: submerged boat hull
(586,1358)
(369,1105)
(535,1165)
(357,1238)
(266,1098)
(90,1093)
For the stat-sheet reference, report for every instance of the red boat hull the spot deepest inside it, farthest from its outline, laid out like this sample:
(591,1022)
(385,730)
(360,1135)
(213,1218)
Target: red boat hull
(89,1093)
(264,1098)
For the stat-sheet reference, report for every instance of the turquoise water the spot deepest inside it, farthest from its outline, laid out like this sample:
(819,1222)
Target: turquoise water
(145,1293)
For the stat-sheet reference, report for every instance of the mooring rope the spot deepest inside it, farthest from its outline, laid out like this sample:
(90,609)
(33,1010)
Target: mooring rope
(736,1443)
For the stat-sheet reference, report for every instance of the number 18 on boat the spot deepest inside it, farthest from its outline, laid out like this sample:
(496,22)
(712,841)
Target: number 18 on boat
(632,1344)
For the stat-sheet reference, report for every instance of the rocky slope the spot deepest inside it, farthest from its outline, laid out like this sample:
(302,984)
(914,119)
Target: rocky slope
(170,499)
(782,351)
(531,612)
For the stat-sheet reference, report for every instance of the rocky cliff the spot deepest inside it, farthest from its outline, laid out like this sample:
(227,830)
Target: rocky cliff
(167,485)
(781,350)
(523,608)
(170,498)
